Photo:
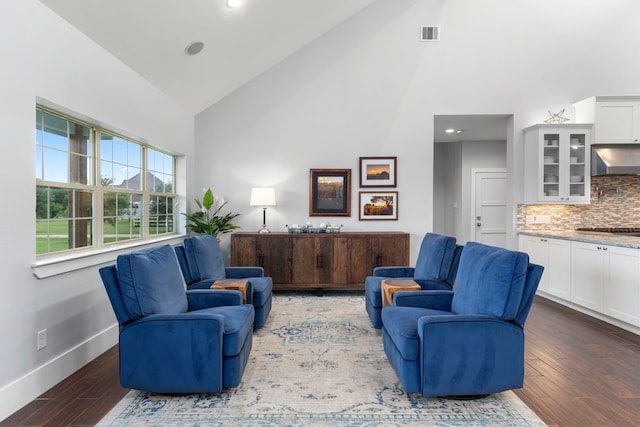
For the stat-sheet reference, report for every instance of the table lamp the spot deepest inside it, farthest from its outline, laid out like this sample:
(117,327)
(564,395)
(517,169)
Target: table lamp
(264,196)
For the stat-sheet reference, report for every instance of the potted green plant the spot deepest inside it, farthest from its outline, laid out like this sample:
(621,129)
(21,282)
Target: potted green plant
(209,220)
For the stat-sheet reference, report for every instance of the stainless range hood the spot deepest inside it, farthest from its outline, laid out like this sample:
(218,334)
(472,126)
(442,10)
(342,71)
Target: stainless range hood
(615,159)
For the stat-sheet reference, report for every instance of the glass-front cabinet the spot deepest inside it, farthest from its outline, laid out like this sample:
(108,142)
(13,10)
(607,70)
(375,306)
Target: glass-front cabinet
(557,163)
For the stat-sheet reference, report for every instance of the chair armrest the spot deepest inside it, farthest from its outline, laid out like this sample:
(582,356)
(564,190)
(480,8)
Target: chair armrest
(207,298)
(430,284)
(394,271)
(181,324)
(243,272)
(474,327)
(434,300)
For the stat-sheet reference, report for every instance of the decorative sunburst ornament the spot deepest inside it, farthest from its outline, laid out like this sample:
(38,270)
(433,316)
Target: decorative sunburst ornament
(556,117)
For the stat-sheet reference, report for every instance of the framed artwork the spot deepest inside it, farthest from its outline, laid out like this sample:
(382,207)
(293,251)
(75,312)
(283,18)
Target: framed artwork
(378,205)
(329,192)
(378,171)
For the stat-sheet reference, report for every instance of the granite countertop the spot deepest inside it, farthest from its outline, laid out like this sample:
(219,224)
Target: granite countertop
(582,236)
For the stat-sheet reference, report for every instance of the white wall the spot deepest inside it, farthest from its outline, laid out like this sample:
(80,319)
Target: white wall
(447,188)
(369,87)
(43,56)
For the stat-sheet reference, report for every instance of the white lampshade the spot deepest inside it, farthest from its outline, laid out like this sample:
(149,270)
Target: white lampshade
(263,196)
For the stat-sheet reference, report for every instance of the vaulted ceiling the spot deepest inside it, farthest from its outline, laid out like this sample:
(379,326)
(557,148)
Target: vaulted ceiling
(151,36)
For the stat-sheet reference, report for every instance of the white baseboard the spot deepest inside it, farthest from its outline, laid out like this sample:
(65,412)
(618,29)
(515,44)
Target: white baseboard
(22,391)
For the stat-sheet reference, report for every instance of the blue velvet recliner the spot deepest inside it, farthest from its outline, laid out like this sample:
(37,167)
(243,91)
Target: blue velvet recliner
(201,261)
(466,342)
(435,268)
(173,340)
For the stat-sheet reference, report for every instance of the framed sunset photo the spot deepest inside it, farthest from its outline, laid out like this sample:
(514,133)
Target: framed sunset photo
(378,205)
(378,171)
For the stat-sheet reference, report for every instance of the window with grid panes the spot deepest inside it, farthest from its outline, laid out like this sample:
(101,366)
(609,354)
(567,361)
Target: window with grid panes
(132,199)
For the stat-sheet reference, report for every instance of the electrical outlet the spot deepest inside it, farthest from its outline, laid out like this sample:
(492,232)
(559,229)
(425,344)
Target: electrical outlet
(41,341)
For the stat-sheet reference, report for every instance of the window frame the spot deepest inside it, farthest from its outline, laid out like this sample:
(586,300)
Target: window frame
(57,262)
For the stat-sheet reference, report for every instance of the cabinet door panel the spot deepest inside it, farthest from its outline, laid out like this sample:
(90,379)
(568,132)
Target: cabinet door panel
(361,261)
(375,251)
(617,122)
(341,261)
(538,251)
(558,270)
(324,260)
(304,260)
(312,260)
(244,251)
(587,277)
(274,255)
(622,287)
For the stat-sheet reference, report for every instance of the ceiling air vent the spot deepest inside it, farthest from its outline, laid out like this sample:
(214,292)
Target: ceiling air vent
(430,34)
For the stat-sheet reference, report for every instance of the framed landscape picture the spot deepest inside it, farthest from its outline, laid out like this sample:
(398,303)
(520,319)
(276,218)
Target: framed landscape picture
(378,205)
(378,171)
(329,192)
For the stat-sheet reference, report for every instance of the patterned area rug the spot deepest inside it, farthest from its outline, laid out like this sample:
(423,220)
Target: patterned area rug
(318,362)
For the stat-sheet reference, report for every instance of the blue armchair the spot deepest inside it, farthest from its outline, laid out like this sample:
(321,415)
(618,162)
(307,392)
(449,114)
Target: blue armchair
(172,340)
(201,262)
(435,268)
(470,341)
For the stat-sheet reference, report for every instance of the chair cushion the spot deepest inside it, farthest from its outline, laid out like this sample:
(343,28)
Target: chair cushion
(435,256)
(401,323)
(490,281)
(238,323)
(262,290)
(151,282)
(204,258)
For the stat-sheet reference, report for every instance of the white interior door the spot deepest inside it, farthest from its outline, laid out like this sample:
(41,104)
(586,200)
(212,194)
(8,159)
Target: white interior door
(490,207)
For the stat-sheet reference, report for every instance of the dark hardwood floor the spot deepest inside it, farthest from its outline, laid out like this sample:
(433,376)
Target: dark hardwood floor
(579,372)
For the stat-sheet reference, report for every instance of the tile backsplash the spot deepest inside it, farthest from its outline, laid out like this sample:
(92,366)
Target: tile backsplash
(615,202)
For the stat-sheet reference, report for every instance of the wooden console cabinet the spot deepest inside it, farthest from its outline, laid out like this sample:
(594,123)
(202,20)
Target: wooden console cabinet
(319,261)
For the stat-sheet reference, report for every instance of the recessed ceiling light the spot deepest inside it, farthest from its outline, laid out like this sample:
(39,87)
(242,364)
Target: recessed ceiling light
(233,3)
(450,130)
(194,48)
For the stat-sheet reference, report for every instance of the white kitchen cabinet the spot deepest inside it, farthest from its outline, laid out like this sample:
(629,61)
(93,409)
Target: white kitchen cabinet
(557,163)
(616,119)
(555,256)
(621,291)
(606,279)
(587,275)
